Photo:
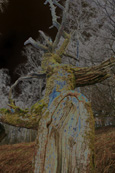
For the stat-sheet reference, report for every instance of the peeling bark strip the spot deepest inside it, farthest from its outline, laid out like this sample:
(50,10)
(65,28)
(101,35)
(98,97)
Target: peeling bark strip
(66,136)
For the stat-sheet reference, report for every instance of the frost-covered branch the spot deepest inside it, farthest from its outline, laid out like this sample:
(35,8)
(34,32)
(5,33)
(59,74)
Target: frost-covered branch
(36,44)
(108,7)
(71,56)
(46,38)
(55,23)
(61,28)
(30,76)
(58,4)
(51,47)
(53,13)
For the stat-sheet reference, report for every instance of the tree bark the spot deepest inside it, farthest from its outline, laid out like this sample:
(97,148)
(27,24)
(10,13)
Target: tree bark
(65,142)
(66,129)
(95,74)
(63,117)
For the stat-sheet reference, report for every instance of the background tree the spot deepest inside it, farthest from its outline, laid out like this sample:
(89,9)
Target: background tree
(4,85)
(33,89)
(63,117)
(106,35)
(94,49)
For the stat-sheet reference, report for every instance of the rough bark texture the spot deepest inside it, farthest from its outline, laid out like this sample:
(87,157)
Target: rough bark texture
(66,128)
(91,75)
(63,118)
(66,136)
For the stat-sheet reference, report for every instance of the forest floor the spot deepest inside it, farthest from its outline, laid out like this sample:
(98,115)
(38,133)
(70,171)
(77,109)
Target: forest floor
(17,158)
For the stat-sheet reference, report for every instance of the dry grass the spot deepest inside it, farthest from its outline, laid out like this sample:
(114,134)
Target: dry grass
(105,150)
(17,158)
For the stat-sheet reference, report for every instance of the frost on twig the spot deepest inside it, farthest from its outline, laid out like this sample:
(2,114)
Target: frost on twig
(36,44)
(30,76)
(55,23)
(58,4)
(62,25)
(53,13)
(47,39)
(51,47)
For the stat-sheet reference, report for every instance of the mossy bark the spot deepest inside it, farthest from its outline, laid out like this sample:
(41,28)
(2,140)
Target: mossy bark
(63,117)
(66,129)
(60,78)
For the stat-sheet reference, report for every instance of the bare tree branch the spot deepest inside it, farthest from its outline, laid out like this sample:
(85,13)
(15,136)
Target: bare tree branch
(58,4)
(92,75)
(71,56)
(18,119)
(30,76)
(47,39)
(49,42)
(35,44)
(61,28)
(108,7)
(53,13)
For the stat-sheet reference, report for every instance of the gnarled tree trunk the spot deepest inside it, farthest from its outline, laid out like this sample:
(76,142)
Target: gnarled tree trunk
(63,117)
(66,144)
(66,129)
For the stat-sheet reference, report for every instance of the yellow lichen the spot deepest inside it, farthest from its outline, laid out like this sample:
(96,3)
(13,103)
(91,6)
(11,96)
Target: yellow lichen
(37,108)
(63,47)
(50,59)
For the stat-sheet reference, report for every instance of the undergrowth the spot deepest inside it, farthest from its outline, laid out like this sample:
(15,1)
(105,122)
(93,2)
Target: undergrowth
(17,158)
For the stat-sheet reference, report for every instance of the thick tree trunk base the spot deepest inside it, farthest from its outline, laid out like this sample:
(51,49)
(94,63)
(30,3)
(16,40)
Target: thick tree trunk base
(66,136)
